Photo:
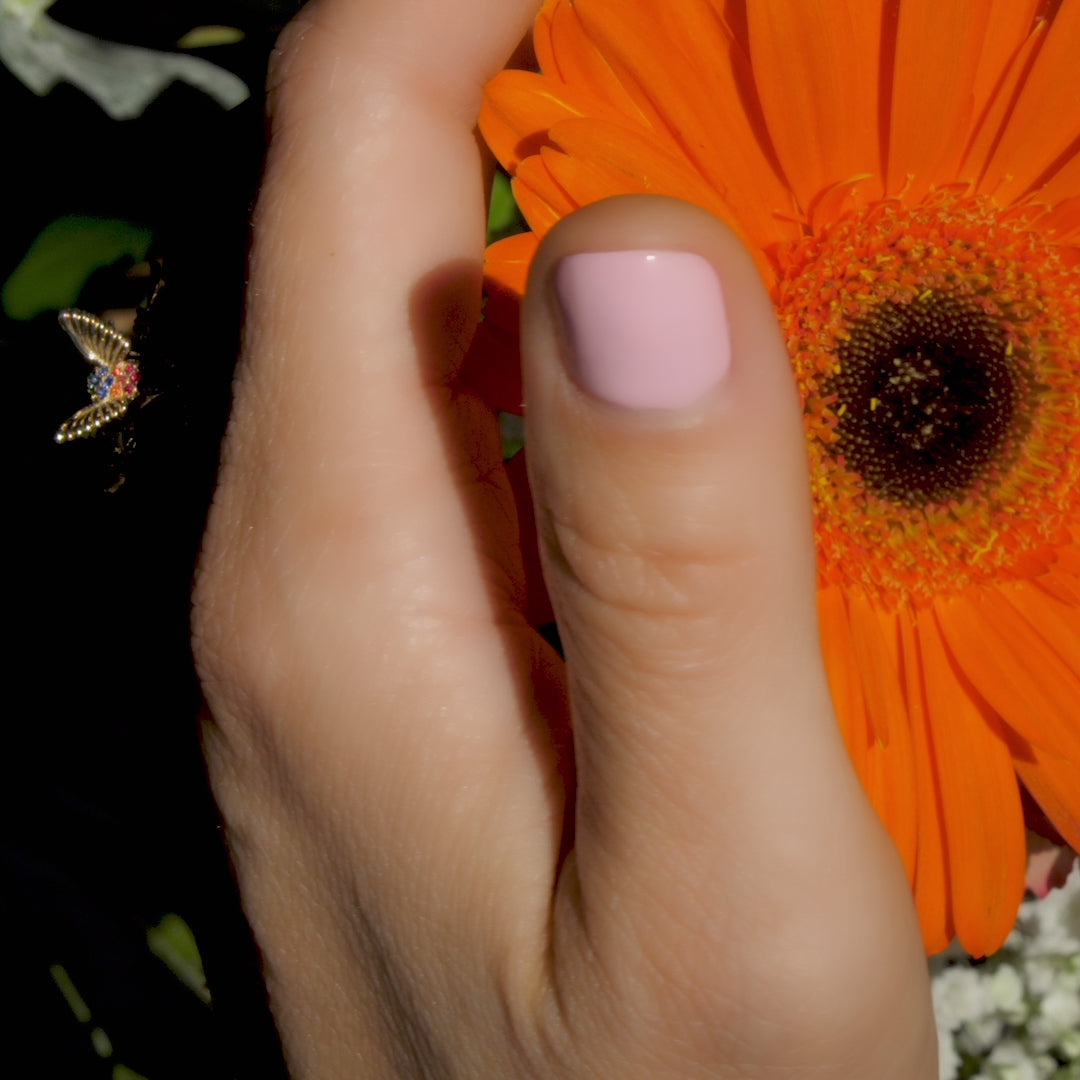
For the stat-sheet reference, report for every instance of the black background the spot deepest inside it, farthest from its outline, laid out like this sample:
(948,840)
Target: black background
(108,823)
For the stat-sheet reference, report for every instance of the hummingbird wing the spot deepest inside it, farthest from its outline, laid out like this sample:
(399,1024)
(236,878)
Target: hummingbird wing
(87,421)
(95,339)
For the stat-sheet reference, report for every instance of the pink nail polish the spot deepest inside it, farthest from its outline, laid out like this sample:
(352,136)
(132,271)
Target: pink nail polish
(644,329)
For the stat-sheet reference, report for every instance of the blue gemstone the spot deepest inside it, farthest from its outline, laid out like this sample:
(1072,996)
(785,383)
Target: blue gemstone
(99,384)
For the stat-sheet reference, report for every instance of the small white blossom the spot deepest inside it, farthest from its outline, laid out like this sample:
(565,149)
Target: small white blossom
(1006,990)
(960,997)
(122,79)
(976,1037)
(1040,974)
(1058,1014)
(1016,1016)
(1069,1045)
(1062,1009)
(1056,919)
(948,1057)
(1009,1060)
(1046,1066)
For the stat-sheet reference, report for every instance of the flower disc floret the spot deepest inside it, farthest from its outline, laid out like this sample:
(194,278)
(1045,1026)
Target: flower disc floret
(937,350)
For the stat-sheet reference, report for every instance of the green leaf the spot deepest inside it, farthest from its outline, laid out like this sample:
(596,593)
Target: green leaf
(122,1072)
(205,37)
(26,10)
(504,218)
(512,430)
(72,996)
(173,942)
(61,258)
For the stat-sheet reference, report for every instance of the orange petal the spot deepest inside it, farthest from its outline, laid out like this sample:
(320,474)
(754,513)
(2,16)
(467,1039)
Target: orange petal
(585,180)
(890,782)
(576,60)
(836,201)
(640,156)
(519,107)
(887,773)
(933,899)
(1009,26)
(541,37)
(515,114)
(493,364)
(991,116)
(1061,585)
(1068,562)
(539,198)
(1063,223)
(937,51)
(1033,690)
(632,161)
(875,638)
(1062,191)
(506,265)
(738,158)
(984,822)
(690,93)
(830,132)
(1057,623)
(1046,119)
(1055,786)
(646,64)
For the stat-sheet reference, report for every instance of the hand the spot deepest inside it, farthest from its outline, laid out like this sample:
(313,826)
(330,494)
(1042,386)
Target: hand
(444,882)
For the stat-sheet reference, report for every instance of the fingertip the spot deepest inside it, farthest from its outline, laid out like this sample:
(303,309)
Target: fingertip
(661,405)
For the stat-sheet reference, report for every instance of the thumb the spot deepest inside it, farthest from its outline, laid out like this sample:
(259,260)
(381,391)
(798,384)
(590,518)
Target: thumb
(668,466)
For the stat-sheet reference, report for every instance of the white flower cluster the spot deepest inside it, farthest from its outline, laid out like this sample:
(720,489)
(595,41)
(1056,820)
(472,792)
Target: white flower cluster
(1015,1016)
(122,79)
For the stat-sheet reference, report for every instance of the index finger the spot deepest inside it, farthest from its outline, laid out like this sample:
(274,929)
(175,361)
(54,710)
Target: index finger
(364,289)
(373,159)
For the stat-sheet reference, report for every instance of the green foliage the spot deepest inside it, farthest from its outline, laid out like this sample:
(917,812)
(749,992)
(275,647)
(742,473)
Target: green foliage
(79,1009)
(205,37)
(122,1072)
(512,430)
(100,1041)
(64,254)
(504,218)
(172,942)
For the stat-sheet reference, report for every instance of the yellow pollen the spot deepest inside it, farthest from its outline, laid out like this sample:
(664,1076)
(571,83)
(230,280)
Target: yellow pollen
(979,552)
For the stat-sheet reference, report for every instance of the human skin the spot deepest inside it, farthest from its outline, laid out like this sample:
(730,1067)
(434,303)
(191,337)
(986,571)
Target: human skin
(443,881)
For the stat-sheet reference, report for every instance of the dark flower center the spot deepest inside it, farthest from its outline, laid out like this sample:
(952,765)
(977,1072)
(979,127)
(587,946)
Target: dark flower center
(925,394)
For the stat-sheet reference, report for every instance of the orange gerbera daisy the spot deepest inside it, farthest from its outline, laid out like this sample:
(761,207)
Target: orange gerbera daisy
(907,173)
